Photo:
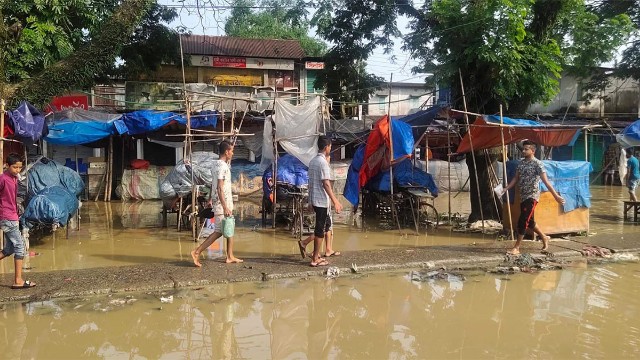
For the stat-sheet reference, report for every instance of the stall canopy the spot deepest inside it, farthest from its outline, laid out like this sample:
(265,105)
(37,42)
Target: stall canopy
(76,126)
(27,122)
(297,128)
(485,133)
(630,135)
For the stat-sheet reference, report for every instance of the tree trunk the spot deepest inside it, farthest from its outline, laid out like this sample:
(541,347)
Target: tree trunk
(484,199)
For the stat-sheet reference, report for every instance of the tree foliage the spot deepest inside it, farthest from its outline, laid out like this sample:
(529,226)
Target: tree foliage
(80,68)
(279,19)
(509,52)
(37,34)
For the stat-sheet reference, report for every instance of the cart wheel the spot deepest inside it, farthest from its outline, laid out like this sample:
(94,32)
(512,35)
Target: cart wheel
(429,218)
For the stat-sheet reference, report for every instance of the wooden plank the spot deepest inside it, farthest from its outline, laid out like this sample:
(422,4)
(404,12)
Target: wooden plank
(549,216)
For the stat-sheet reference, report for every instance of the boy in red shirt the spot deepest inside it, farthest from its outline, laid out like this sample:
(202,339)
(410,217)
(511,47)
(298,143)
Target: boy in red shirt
(13,241)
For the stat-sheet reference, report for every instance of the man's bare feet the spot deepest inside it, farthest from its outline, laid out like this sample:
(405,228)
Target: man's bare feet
(513,252)
(195,257)
(545,243)
(233,260)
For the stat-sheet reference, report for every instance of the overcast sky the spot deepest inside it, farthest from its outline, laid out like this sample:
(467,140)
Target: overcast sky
(213,21)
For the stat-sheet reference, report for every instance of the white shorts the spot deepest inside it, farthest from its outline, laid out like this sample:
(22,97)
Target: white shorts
(217,223)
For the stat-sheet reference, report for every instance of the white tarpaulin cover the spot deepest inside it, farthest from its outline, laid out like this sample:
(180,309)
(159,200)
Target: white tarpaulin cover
(296,129)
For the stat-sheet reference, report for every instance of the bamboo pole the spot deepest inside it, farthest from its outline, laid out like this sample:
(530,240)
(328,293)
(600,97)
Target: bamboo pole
(449,165)
(110,182)
(393,206)
(504,175)
(473,154)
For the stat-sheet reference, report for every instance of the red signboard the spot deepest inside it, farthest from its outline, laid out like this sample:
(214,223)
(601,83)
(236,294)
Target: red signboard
(314,65)
(232,62)
(60,103)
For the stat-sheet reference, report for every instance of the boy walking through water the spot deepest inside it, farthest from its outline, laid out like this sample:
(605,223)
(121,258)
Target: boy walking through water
(222,203)
(528,175)
(13,241)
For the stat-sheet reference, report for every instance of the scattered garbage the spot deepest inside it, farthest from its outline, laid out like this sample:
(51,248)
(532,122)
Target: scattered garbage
(440,274)
(525,262)
(490,227)
(354,268)
(593,250)
(333,272)
(167,299)
(624,257)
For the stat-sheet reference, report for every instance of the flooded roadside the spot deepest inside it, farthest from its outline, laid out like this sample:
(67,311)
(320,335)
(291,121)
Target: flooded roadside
(119,234)
(574,313)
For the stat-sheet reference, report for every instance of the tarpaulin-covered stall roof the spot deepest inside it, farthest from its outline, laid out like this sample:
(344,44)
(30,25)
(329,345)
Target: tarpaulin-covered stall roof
(145,121)
(630,135)
(27,122)
(485,133)
(77,126)
(178,182)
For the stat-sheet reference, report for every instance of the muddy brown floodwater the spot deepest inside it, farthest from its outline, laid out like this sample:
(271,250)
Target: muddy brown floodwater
(580,312)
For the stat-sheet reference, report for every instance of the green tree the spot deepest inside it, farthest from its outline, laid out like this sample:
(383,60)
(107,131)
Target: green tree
(509,52)
(278,19)
(39,38)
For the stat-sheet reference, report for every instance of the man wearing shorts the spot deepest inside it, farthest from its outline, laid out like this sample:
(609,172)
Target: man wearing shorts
(633,174)
(321,197)
(528,175)
(222,201)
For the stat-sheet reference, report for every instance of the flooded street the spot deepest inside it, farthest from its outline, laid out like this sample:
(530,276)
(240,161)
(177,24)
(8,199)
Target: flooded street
(117,234)
(581,312)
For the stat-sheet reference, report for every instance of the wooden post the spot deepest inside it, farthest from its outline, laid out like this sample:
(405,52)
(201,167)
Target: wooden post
(449,165)
(504,172)
(110,182)
(473,154)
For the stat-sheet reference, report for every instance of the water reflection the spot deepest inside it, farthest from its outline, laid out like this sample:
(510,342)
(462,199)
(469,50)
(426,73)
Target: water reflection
(575,313)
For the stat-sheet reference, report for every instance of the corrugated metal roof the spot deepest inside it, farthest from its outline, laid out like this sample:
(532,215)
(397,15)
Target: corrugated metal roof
(233,46)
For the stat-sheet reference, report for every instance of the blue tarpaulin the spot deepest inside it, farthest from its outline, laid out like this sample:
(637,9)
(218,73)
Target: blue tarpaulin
(630,135)
(404,174)
(52,195)
(28,123)
(290,171)
(144,121)
(76,126)
(569,178)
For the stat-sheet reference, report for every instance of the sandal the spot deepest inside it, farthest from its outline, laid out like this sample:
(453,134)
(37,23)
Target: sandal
(335,253)
(320,262)
(27,284)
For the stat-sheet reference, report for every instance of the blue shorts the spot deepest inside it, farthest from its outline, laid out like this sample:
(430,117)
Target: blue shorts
(633,185)
(13,241)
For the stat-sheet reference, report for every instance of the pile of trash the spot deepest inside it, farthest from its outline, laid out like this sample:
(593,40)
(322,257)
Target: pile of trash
(433,275)
(526,263)
(490,227)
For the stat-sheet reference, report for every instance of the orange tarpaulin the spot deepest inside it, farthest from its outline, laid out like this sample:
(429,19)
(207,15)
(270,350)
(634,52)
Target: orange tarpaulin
(486,135)
(375,150)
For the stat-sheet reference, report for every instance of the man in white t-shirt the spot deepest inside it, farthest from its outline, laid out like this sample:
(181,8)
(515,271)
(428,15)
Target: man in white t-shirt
(321,197)
(222,201)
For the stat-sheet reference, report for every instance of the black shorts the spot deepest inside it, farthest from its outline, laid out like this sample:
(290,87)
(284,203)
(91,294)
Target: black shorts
(323,221)
(526,220)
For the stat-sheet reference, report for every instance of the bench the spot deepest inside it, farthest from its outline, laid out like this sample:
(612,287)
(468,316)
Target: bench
(634,206)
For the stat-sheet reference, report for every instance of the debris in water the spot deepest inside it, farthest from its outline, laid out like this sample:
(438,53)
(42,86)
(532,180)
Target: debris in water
(624,257)
(166,300)
(354,268)
(593,250)
(440,274)
(333,272)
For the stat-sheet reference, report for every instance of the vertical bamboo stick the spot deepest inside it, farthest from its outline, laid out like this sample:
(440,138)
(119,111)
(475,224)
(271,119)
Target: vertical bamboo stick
(504,173)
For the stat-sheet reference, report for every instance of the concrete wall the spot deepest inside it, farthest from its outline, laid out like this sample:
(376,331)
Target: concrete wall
(622,100)
(405,99)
